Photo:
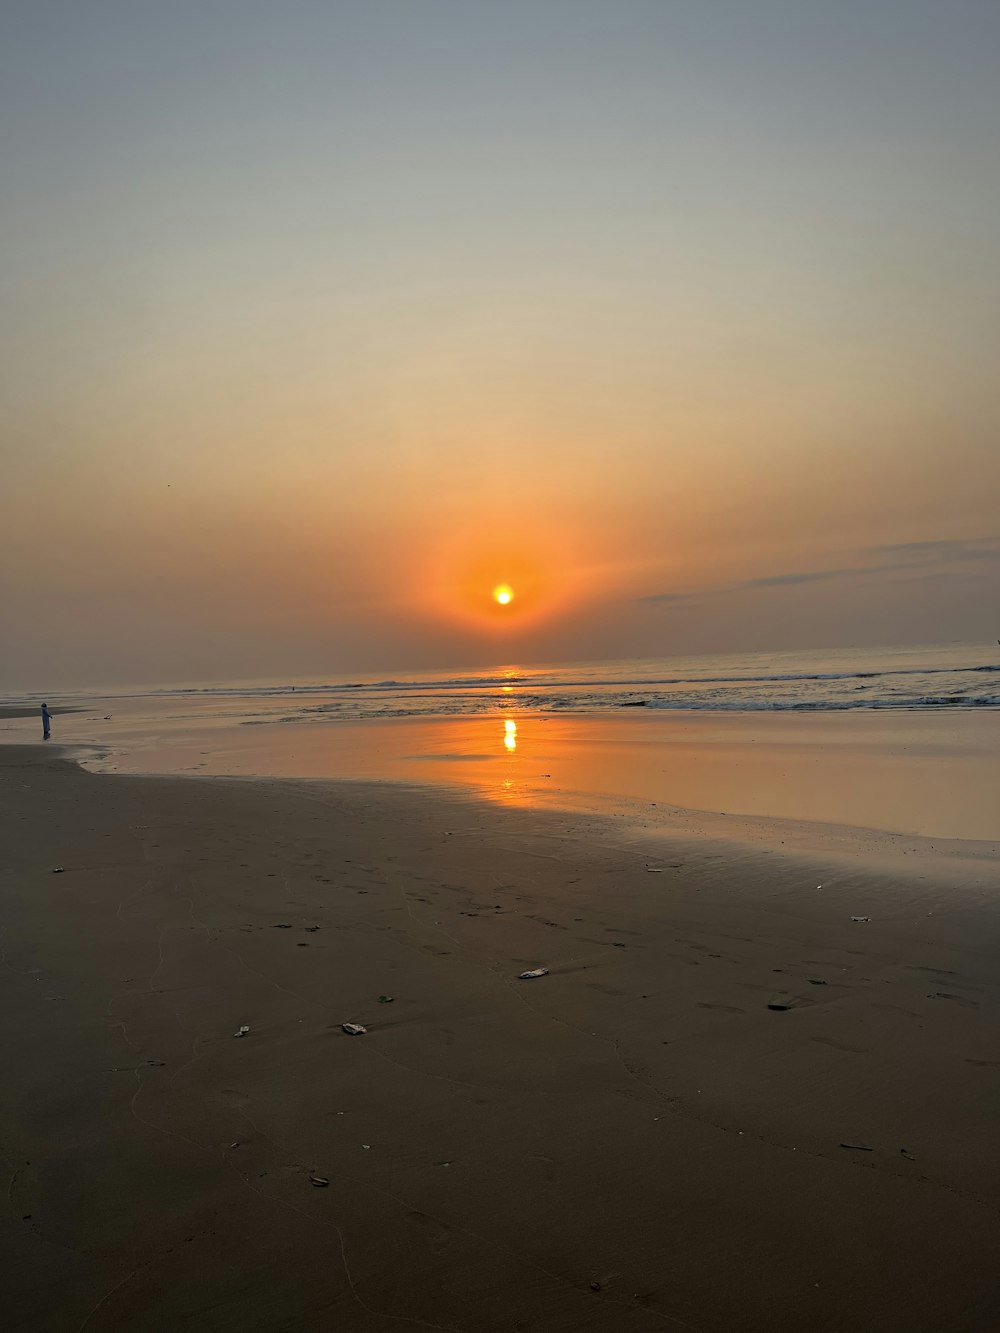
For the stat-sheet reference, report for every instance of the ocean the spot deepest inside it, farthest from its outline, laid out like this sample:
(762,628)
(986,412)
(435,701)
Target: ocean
(900,739)
(932,678)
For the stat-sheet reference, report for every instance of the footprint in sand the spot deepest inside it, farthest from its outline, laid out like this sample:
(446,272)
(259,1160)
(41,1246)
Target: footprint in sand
(842,1045)
(958,999)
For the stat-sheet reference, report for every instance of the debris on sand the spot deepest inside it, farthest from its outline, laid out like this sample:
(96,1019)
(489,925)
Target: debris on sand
(244,1029)
(320,1182)
(780,1008)
(353,1029)
(860,918)
(905,1152)
(858,1147)
(282,925)
(654,870)
(58,870)
(534,972)
(814,982)
(386,999)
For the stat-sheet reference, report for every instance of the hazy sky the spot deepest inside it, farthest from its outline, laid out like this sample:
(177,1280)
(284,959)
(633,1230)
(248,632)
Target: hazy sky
(323,318)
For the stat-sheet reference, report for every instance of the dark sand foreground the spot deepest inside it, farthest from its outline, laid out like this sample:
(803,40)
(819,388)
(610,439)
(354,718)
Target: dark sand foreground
(636,1141)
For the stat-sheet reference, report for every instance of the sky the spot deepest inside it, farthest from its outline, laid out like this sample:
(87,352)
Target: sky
(679,317)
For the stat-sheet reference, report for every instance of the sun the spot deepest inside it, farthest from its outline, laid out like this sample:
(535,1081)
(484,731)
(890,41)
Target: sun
(503,594)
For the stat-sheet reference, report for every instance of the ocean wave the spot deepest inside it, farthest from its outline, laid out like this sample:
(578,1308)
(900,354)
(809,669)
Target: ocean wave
(605,703)
(825,705)
(935,678)
(448,685)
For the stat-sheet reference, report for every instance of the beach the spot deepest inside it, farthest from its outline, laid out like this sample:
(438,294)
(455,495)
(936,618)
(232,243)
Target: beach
(729,1106)
(500,700)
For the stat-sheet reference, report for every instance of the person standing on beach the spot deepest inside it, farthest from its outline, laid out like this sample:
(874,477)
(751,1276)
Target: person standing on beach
(46,723)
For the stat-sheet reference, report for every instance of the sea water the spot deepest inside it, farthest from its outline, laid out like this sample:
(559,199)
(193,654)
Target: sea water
(899,739)
(931,678)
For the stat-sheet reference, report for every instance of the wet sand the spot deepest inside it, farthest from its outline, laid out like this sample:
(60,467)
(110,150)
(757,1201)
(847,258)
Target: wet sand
(11,712)
(930,773)
(635,1141)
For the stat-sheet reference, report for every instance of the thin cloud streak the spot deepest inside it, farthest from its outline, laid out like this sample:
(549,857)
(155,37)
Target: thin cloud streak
(899,557)
(979,548)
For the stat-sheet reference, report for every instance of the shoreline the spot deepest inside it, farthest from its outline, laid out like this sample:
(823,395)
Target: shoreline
(638,1121)
(926,776)
(813,841)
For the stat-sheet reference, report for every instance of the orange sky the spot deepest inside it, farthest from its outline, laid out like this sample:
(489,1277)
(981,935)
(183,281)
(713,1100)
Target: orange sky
(685,332)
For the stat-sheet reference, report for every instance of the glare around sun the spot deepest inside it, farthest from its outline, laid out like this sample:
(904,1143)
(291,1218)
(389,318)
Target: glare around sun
(503,594)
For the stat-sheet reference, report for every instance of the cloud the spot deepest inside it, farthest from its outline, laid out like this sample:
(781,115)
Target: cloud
(771,581)
(805,576)
(979,548)
(674,596)
(897,557)
(941,575)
